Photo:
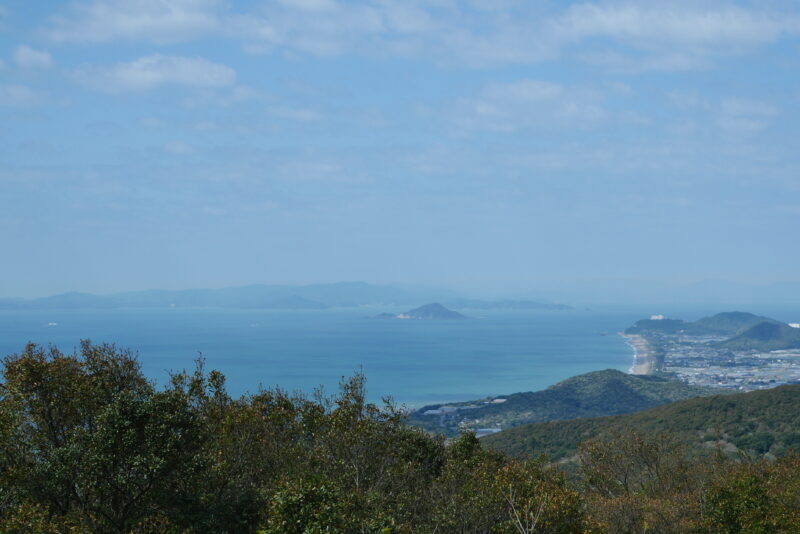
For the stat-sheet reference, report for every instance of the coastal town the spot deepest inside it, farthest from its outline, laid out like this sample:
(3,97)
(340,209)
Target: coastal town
(702,359)
(673,359)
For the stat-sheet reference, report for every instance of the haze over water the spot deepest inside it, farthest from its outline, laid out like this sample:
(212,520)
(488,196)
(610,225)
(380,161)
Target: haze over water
(417,362)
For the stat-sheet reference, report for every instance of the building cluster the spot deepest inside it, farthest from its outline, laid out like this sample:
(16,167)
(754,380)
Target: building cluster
(696,361)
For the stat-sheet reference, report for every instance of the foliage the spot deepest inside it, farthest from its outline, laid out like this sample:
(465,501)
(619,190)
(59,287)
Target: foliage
(90,439)
(307,508)
(87,444)
(637,483)
(755,497)
(763,421)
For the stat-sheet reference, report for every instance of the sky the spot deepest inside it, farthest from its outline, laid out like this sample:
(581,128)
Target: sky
(487,145)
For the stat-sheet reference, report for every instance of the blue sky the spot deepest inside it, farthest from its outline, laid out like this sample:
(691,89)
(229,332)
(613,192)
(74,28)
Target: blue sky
(488,145)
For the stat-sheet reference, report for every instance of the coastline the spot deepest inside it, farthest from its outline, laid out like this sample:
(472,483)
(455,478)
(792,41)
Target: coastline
(645,361)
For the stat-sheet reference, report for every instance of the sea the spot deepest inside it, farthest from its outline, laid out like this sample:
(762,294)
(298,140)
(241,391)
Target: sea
(413,362)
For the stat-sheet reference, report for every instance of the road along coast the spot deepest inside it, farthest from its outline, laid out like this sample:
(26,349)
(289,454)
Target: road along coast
(645,361)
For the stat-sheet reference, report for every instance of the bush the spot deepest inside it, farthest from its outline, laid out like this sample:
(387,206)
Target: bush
(87,444)
(759,442)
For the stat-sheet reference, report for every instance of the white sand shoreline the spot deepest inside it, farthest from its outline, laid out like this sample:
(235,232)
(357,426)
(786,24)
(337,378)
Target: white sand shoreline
(644,358)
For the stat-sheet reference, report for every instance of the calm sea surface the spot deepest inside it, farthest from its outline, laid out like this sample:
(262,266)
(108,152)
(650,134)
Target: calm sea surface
(416,362)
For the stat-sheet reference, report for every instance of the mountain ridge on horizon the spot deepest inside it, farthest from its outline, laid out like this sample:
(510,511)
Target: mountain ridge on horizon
(271,296)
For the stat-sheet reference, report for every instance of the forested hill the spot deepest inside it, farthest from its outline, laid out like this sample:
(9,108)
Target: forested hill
(594,394)
(745,331)
(732,323)
(765,336)
(759,421)
(725,323)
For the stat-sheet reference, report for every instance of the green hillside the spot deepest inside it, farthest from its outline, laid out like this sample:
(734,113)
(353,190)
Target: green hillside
(760,421)
(731,322)
(599,393)
(765,336)
(725,323)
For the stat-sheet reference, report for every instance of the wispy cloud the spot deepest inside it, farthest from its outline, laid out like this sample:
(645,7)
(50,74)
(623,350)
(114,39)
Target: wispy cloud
(650,25)
(731,115)
(158,21)
(744,107)
(28,58)
(618,35)
(15,95)
(178,148)
(224,96)
(744,116)
(668,36)
(510,107)
(156,70)
(295,114)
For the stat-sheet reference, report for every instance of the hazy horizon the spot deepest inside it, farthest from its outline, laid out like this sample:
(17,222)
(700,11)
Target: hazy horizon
(615,150)
(712,296)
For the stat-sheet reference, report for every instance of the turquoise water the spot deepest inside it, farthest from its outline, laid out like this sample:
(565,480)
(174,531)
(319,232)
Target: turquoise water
(416,362)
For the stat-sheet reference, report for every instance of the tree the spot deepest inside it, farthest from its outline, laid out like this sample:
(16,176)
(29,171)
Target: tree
(637,483)
(754,496)
(98,445)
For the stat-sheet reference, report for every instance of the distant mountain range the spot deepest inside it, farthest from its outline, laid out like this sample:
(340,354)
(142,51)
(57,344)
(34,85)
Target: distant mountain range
(308,297)
(316,296)
(598,393)
(758,421)
(747,331)
(505,304)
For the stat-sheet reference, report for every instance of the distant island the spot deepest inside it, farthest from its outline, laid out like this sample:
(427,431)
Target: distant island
(434,311)
(275,297)
(504,304)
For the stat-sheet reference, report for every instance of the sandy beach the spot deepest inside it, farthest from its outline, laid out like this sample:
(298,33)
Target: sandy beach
(644,358)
